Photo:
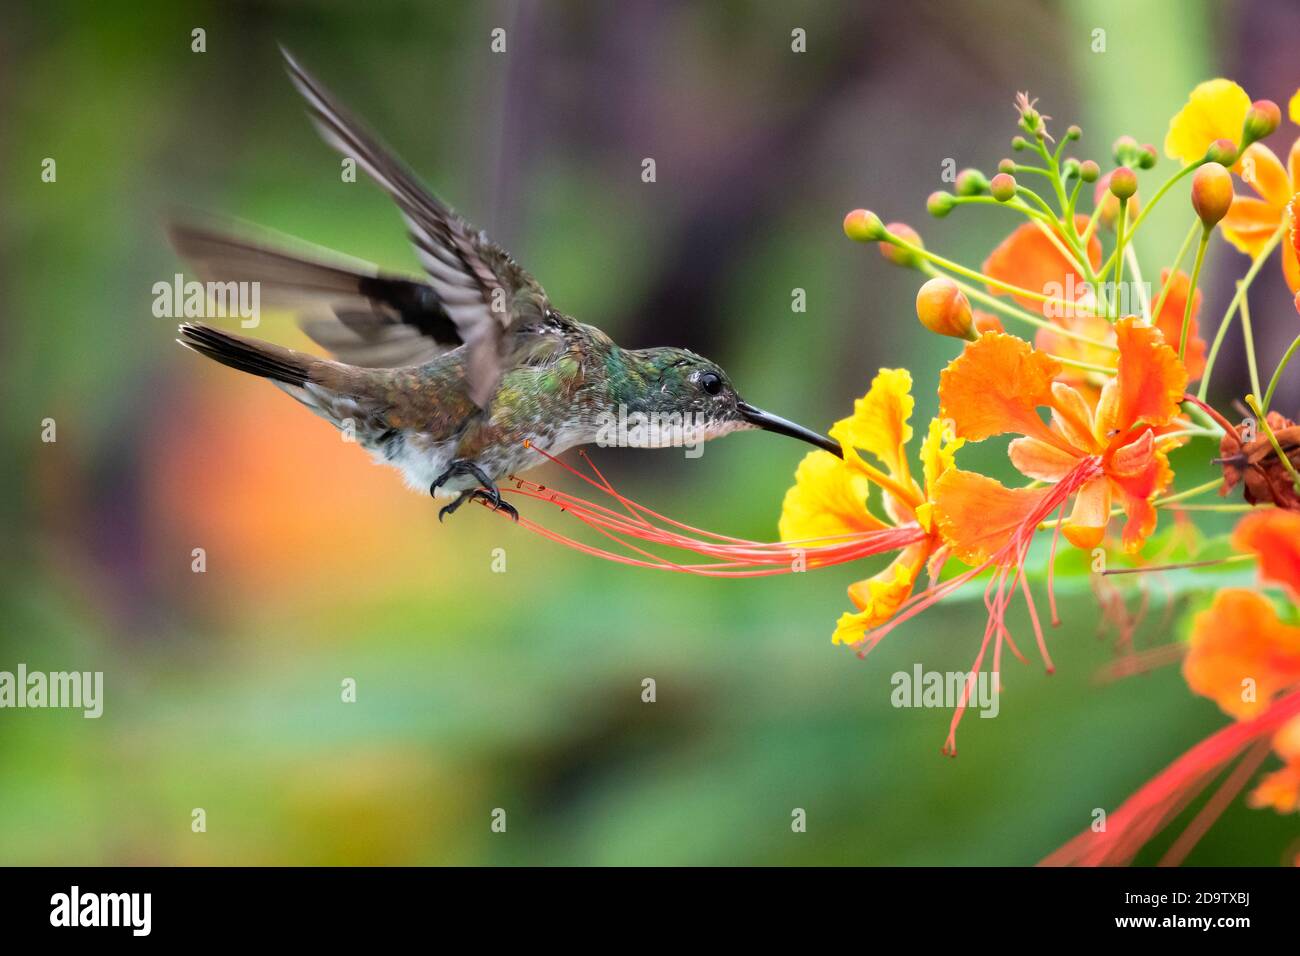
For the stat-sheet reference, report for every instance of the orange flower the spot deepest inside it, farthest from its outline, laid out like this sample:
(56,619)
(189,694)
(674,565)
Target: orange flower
(1241,654)
(1273,535)
(997,385)
(1029,259)
(1251,222)
(1281,788)
(829,496)
(1102,333)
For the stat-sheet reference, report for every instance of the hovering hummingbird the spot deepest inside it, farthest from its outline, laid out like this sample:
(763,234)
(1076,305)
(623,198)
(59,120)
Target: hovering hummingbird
(459,377)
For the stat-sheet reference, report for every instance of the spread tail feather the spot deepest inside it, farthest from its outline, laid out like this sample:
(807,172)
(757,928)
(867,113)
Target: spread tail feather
(248,355)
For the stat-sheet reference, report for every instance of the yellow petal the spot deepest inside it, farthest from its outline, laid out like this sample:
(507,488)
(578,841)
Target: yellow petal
(1293,108)
(1216,109)
(879,423)
(879,597)
(1086,525)
(938,452)
(828,500)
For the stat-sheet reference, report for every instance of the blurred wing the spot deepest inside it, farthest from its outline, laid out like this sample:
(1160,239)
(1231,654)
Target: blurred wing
(481,288)
(362,316)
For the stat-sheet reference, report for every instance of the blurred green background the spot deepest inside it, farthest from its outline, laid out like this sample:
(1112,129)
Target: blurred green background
(521,690)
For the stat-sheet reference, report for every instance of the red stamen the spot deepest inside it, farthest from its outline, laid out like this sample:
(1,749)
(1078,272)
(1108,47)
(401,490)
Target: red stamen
(1010,557)
(731,557)
(1161,799)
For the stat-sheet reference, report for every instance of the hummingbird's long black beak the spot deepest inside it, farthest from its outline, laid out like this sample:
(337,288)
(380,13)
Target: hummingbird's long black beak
(783,426)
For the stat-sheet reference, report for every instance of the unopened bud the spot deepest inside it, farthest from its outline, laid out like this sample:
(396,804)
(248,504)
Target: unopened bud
(897,254)
(1261,119)
(940,203)
(1007,165)
(944,308)
(1211,193)
(971,182)
(1123,183)
(862,225)
(1003,187)
(1147,157)
(1089,171)
(1125,150)
(1073,132)
(1018,143)
(1070,168)
(1223,152)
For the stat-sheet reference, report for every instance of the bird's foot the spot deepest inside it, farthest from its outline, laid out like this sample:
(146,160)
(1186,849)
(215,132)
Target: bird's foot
(492,497)
(488,492)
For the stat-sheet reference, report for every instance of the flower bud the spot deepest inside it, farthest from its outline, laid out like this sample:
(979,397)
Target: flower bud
(1073,132)
(944,308)
(897,254)
(1261,119)
(1007,166)
(1070,168)
(1018,143)
(1123,183)
(1223,152)
(862,225)
(1089,171)
(1003,187)
(1146,157)
(940,203)
(971,182)
(1125,150)
(1104,196)
(1211,193)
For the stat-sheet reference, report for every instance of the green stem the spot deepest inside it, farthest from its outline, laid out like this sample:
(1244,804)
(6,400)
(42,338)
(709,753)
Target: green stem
(1146,210)
(1173,271)
(1277,373)
(958,269)
(1242,286)
(1118,256)
(1015,312)
(1249,337)
(1191,290)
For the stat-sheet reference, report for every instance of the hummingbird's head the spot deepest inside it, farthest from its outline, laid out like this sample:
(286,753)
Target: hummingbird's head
(679,382)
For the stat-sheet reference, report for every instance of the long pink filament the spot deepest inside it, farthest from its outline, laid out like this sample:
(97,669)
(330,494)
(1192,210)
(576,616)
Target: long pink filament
(731,557)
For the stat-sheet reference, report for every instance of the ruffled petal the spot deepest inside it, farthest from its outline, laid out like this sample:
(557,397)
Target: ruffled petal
(1274,536)
(1249,224)
(827,500)
(996,386)
(1241,654)
(938,452)
(1152,381)
(977,516)
(1216,109)
(1170,320)
(879,423)
(879,597)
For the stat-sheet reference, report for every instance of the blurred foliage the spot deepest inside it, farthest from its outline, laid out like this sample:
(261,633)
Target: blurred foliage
(521,690)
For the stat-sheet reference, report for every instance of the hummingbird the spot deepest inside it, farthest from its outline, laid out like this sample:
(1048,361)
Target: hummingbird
(464,375)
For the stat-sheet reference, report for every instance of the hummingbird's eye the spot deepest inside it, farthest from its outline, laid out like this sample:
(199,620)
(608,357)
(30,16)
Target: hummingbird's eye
(711,383)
